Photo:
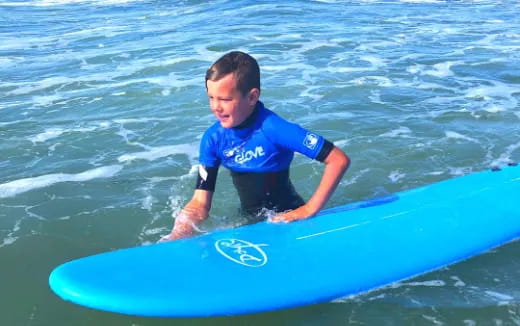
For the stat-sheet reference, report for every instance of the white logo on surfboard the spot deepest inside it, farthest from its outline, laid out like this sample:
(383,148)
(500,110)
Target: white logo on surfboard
(242,252)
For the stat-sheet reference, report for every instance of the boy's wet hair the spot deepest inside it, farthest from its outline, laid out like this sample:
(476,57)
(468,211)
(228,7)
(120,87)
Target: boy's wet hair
(243,66)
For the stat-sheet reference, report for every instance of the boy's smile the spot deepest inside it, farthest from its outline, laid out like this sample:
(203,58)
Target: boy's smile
(229,106)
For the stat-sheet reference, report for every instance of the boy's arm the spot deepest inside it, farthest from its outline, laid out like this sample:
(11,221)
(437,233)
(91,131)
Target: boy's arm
(192,214)
(336,164)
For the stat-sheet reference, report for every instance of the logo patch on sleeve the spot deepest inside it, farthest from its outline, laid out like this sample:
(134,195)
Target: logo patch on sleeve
(310,141)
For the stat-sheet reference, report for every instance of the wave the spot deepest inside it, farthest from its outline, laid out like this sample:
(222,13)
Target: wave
(17,187)
(155,153)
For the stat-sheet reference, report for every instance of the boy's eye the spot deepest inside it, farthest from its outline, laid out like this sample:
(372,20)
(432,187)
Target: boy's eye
(221,99)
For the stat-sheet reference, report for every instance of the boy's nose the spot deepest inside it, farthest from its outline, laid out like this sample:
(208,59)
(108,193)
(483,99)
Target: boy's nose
(215,106)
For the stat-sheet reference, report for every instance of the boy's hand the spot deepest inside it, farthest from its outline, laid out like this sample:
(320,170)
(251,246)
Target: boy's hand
(190,216)
(183,229)
(299,213)
(185,224)
(335,165)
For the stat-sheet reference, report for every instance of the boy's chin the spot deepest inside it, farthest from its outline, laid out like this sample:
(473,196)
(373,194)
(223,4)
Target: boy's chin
(226,125)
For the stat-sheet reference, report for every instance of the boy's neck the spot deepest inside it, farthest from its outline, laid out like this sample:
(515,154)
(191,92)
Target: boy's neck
(248,122)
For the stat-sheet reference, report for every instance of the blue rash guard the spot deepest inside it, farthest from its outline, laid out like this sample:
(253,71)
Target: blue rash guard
(258,153)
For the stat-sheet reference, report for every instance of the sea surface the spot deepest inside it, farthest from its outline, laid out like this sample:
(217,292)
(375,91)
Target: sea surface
(102,106)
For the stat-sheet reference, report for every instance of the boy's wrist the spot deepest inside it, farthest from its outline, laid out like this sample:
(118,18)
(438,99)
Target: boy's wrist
(311,208)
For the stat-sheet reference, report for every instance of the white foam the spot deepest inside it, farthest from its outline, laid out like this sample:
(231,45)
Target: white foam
(442,70)
(308,93)
(431,319)
(155,153)
(56,132)
(505,157)
(141,120)
(396,176)
(16,187)
(429,86)
(123,132)
(458,281)
(499,296)
(46,135)
(154,231)
(456,135)
(46,100)
(380,81)
(375,62)
(494,108)
(290,66)
(171,81)
(353,179)
(312,45)
(496,98)
(11,238)
(459,171)
(147,202)
(8,240)
(106,30)
(375,97)
(9,62)
(102,80)
(324,116)
(399,132)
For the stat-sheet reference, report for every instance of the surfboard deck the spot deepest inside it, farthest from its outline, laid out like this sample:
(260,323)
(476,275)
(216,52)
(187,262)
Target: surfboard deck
(344,251)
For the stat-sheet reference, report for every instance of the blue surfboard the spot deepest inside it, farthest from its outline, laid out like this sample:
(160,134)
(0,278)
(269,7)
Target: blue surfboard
(344,251)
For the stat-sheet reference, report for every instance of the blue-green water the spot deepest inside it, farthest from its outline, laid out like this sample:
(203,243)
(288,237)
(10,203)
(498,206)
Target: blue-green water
(102,105)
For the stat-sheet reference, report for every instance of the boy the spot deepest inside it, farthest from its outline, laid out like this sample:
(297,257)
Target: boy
(258,147)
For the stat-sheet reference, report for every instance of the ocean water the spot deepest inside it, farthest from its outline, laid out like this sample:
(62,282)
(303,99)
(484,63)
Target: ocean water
(102,106)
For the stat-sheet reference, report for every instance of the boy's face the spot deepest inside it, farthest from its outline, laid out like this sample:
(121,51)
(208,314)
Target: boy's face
(228,104)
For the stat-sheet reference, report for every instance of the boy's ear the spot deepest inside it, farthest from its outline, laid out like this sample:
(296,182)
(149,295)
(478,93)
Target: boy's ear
(253,96)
